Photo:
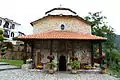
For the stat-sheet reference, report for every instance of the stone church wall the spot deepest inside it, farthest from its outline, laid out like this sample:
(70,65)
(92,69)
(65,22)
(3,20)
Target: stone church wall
(62,47)
(54,23)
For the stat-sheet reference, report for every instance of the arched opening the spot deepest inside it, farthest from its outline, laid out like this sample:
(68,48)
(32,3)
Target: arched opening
(62,63)
(12,34)
(0,22)
(6,25)
(62,26)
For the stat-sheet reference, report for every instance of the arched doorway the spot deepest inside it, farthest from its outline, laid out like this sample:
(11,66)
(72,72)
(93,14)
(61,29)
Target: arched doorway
(62,63)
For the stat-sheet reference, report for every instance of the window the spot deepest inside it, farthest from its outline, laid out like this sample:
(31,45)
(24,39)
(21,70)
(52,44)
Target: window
(12,26)
(6,25)
(12,34)
(62,27)
(0,22)
(6,33)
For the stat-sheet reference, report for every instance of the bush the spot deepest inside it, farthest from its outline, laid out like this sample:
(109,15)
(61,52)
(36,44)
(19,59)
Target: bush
(75,64)
(51,65)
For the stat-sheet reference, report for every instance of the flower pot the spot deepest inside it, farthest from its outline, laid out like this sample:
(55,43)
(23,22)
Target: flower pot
(74,71)
(102,71)
(51,71)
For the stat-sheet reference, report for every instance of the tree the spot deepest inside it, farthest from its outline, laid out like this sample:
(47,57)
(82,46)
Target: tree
(3,48)
(101,28)
(1,35)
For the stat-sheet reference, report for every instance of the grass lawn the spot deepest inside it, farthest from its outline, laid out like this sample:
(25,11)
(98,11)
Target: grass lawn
(12,62)
(113,72)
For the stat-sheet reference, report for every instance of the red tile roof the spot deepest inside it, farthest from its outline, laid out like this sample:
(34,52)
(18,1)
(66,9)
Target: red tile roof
(62,35)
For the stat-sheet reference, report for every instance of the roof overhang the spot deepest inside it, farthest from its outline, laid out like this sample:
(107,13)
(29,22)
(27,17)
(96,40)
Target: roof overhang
(68,35)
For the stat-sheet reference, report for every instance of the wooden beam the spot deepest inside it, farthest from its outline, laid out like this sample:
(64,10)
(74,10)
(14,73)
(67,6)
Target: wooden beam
(25,51)
(100,52)
(51,48)
(92,55)
(32,56)
(32,47)
(72,48)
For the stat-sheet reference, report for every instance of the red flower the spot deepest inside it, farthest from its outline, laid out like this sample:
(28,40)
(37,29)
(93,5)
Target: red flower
(51,57)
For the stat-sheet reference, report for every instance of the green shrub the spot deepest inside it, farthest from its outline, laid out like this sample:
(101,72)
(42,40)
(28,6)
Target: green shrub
(51,65)
(75,64)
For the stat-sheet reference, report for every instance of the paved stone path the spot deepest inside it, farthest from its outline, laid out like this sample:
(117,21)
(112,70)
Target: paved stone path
(20,74)
(34,74)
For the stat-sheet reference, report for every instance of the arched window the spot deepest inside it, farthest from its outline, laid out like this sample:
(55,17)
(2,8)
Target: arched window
(6,25)
(12,26)
(62,27)
(12,34)
(0,22)
(6,33)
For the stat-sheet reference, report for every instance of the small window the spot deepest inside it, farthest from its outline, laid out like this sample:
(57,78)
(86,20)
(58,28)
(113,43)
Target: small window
(6,25)
(62,27)
(12,34)
(12,26)
(6,33)
(0,22)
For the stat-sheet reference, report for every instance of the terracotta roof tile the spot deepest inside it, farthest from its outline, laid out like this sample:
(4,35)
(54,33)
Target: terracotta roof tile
(62,35)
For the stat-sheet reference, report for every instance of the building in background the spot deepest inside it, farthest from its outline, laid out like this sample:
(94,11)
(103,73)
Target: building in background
(11,30)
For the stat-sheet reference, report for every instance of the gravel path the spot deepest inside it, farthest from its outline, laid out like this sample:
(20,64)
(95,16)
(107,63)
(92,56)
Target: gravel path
(20,74)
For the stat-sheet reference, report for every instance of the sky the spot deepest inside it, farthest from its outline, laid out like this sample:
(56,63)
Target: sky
(26,11)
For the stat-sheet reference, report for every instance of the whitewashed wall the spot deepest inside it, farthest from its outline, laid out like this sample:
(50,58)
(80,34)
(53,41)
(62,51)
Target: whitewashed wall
(15,30)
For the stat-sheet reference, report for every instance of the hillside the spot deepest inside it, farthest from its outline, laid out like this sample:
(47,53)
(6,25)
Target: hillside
(117,40)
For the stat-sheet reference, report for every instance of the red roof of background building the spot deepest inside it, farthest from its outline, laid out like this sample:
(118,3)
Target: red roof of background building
(62,35)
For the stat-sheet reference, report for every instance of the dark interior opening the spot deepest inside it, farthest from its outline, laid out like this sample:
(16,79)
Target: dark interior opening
(62,63)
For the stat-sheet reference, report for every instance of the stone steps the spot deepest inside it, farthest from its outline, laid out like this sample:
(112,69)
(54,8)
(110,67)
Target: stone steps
(9,69)
(5,66)
(3,63)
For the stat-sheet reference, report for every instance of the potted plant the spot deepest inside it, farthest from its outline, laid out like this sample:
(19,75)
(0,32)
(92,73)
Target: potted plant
(102,69)
(39,67)
(75,64)
(51,67)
